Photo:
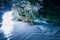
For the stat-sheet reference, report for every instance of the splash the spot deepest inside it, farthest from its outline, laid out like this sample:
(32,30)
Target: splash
(7,26)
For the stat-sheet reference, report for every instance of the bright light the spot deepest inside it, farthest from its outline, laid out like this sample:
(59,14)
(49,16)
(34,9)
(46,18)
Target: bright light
(7,26)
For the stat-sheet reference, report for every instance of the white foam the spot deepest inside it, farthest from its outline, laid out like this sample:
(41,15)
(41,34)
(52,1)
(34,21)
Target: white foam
(8,23)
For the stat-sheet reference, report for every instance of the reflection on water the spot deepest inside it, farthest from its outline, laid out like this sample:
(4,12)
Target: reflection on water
(7,26)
